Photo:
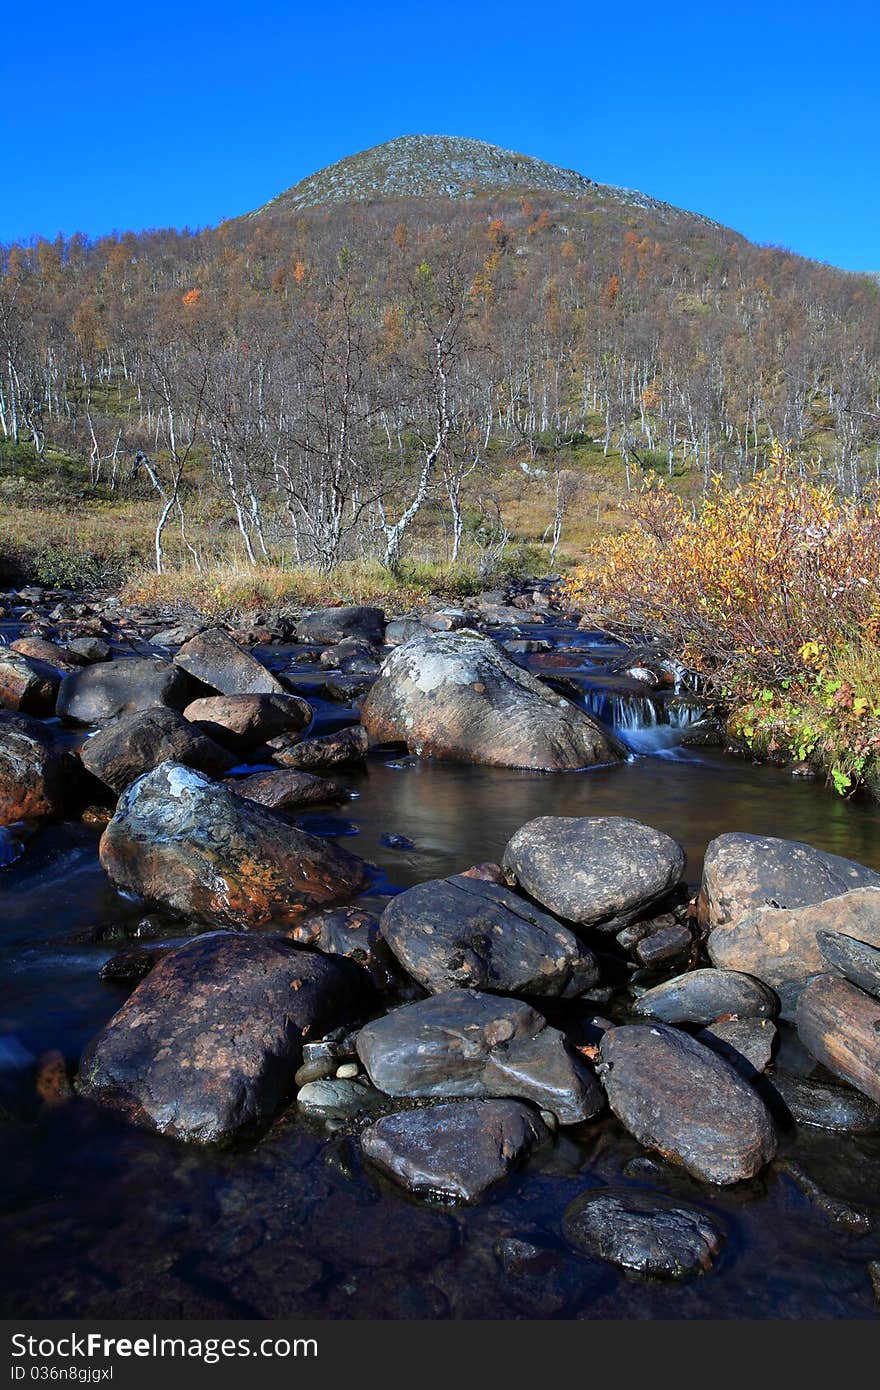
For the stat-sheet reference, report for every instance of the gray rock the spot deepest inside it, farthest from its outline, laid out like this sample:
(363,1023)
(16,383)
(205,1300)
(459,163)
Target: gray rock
(337,1098)
(101,692)
(286,789)
(746,1043)
(339,749)
(746,872)
(463,932)
(133,744)
(219,662)
(703,995)
(598,871)
(90,649)
(337,624)
(676,1096)
(838,1108)
(644,1232)
(248,720)
(467,1044)
(858,961)
(456,1151)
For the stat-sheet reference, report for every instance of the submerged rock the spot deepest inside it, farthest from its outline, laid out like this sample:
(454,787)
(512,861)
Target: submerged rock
(459,697)
(703,995)
(782,946)
(643,1231)
(209,1043)
(742,873)
(597,871)
(467,1044)
(101,692)
(676,1096)
(32,770)
(248,720)
(463,932)
(837,1108)
(214,659)
(840,1025)
(133,744)
(457,1150)
(183,842)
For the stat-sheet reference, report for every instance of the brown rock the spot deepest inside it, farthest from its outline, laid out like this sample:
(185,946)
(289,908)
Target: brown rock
(31,771)
(328,750)
(840,1025)
(250,719)
(59,658)
(132,744)
(287,789)
(27,685)
(743,873)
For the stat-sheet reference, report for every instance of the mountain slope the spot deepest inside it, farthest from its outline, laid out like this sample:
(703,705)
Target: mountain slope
(422,166)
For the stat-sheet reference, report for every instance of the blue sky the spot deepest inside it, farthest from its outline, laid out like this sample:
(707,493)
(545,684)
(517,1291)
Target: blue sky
(764,116)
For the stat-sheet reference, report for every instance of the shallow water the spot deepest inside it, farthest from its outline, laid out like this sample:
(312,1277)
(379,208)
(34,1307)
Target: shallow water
(97,1218)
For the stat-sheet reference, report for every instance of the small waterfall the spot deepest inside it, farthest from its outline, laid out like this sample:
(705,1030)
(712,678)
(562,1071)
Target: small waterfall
(647,723)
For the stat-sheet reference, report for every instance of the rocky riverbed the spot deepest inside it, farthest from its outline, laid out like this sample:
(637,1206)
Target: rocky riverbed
(439,966)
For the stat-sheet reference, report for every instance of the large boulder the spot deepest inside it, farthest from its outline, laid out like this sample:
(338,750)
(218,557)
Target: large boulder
(678,1097)
(782,946)
(457,1150)
(467,1044)
(329,625)
(457,696)
(645,1232)
(103,691)
(132,744)
(840,1025)
(701,996)
(462,932)
(247,720)
(28,685)
(209,1043)
(597,871)
(219,662)
(742,873)
(182,842)
(31,770)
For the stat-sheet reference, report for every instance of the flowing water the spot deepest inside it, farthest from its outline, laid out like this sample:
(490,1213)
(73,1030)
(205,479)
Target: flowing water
(98,1218)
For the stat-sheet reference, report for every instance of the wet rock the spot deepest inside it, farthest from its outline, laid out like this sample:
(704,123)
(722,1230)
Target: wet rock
(837,1108)
(857,961)
(742,873)
(27,685)
(840,1025)
(458,1150)
(676,1096)
(57,658)
(703,995)
(467,1044)
(287,789)
(336,624)
(457,696)
(462,932)
(598,871)
(782,947)
(89,649)
(488,872)
(665,943)
(179,841)
(645,1232)
(214,659)
(841,1213)
(132,965)
(133,744)
(101,692)
(400,842)
(339,749)
(337,1098)
(32,771)
(356,934)
(746,1043)
(208,1043)
(248,720)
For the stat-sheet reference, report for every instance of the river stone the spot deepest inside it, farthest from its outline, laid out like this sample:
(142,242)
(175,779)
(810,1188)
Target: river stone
(459,697)
(210,1041)
(287,789)
(597,871)
(838,1108)
(858,961)
(248,720)
(642,1231)
(351,932)
(214,659)
(27,685)
(132,744)
(400,630)
(840,1025)
(336,624)
(101,692)
(89,649)
(458,1150)
(32,770)
(676,1096)
(462,932)
(334,1097)
(742,873)
(703,995)
(185,843)
(746,1043)
(342,747)
(58,658)
(467,1044)
(781,946)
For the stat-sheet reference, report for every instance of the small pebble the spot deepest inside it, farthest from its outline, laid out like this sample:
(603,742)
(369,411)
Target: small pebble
(347,1071)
